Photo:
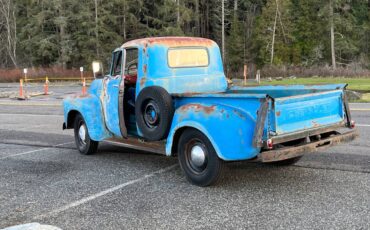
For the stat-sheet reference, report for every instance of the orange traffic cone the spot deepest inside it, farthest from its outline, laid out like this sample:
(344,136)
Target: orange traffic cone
(46,86)
(84,87)
(21,90)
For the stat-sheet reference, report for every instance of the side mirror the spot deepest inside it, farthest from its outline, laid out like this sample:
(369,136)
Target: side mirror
(97,67)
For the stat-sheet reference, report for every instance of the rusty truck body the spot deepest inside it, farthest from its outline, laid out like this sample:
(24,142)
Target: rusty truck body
(169,95)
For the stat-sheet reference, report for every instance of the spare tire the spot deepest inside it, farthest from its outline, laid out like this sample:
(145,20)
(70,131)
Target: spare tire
(154,111)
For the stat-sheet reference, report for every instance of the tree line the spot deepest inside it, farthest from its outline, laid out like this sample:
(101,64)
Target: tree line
(71,33)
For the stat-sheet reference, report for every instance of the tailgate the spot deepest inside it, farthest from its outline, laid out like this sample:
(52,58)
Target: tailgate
(304,112)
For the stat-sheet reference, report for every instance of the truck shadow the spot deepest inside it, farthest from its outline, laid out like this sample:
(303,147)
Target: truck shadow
(236,174)
(270,177)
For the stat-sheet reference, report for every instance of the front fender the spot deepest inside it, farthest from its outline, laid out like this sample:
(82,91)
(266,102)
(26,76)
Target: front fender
(229,129)
(89,106)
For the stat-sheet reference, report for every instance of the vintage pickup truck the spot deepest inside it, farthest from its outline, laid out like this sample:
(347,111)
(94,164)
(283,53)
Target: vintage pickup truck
(169,95)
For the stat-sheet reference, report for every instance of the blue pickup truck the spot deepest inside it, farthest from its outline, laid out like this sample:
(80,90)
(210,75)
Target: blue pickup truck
(169,95)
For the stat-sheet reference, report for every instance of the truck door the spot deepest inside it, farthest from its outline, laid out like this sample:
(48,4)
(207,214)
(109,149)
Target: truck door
(113,97)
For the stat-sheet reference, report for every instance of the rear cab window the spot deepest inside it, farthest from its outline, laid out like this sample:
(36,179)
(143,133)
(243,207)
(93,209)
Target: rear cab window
(182,57)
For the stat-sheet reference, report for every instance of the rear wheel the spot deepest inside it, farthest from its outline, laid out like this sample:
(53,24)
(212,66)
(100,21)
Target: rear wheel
(198,159)
(84,144)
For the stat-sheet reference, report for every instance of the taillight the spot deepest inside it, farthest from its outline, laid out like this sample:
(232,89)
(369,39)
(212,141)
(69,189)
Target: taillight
(269,143)
(353,124)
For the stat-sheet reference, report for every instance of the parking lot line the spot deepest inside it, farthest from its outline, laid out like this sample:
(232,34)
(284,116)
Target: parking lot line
(34,151)
(102,193)
(30,115)
(31,104)
(362,125)
(363,110)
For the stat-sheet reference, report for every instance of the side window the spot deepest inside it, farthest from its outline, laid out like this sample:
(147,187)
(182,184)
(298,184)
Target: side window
(117,64)
(131,62)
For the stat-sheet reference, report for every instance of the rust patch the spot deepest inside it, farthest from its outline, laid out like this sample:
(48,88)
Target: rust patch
(198,108)
(209,109)
(145,46)
(186,94)
(142,81)
(239,114)
(144,68)
(290,152)
(278,113)
(315,124)
(171,41)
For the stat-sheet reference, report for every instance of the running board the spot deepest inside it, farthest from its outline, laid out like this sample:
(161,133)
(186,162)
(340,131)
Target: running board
(158,147)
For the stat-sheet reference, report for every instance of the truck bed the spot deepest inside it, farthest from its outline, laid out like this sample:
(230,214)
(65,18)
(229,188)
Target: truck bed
(290,110)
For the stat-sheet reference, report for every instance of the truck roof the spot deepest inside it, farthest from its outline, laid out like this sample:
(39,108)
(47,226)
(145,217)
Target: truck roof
(170,42)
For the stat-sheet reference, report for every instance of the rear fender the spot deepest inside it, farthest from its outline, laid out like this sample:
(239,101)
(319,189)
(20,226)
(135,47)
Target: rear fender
(229,129)
(89,106)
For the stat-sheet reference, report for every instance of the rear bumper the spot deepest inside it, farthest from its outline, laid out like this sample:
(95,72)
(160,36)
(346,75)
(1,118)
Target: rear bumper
(296,151)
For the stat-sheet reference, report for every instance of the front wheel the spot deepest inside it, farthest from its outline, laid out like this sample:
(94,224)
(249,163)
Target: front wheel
(84,144)
(198,159)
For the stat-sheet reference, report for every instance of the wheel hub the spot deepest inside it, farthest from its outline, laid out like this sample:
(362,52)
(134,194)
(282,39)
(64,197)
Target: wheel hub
(82,133)
(151,114)
(197,155)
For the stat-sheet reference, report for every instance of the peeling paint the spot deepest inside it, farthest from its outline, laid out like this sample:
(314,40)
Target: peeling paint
(170,42)
(239,114)
(144,68)
(142,81)
(199,108)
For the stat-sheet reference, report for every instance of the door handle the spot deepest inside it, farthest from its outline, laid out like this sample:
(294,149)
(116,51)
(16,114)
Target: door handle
(116,86)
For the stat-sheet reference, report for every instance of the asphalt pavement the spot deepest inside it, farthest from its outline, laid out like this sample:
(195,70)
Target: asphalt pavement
(44,179)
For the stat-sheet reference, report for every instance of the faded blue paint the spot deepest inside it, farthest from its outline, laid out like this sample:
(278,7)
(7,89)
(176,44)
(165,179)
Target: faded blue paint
(227,122)
(277,91)
(110,105)
(227,116)
(305,112)
(154,69)
(90,107)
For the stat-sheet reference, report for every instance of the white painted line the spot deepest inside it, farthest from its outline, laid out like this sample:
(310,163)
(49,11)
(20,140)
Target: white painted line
(363,110)
(31,104)
(102,193)
(34,151)
(362,125)
(30,115)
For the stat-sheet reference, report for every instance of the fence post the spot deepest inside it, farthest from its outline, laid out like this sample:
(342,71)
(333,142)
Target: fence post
(82,73)
(258,76)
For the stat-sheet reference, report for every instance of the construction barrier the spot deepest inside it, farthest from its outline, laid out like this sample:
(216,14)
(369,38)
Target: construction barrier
(84,86)
(57,79)
(21,95)
(23,86)
(46,86)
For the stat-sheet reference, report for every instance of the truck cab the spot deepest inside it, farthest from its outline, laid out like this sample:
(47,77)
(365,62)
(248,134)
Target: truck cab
(169,95)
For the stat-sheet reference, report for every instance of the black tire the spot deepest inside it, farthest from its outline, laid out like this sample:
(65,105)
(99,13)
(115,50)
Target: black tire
(154,111)
(286,162)
(85,146)
(197,173)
